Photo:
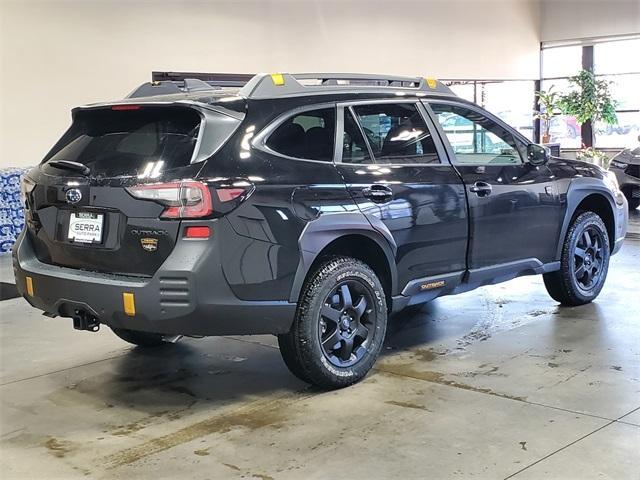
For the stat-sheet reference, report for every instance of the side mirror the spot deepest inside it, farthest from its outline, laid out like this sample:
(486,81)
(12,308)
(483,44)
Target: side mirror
(537,154)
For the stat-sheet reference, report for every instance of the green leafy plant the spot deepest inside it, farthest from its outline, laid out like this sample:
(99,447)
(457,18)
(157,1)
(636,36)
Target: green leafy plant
(590,99)
(548,102)
(592,155)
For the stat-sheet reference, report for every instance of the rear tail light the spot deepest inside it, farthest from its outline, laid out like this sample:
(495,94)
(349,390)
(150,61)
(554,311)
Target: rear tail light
(26,187)
(228,194)
(181,199)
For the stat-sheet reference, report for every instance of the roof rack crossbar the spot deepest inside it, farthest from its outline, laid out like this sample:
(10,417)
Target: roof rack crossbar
(285,84)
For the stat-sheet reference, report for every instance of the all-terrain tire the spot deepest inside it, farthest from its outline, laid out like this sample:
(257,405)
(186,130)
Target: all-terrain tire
(565,285)
(302,347)
(142,339)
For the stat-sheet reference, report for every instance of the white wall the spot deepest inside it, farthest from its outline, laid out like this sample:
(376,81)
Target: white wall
(56,54)
(574,19)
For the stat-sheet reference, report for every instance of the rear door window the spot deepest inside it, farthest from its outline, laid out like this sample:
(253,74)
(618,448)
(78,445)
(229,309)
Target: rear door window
(354,146)
(124,142)
(397,133)
(308,135)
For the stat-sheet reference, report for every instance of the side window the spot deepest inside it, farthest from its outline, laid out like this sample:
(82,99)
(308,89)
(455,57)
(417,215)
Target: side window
(308,135)
(397,133)
(476,139)
(354,147)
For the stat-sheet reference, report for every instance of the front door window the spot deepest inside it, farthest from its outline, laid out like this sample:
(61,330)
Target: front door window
(476,139)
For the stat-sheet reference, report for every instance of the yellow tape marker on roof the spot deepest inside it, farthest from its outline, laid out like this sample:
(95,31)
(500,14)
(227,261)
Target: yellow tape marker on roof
(432,82)
(278,79)
(129,303)
(29,282)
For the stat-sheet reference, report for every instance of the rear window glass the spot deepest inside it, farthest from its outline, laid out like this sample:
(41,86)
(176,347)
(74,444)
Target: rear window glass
(118,143)
(308,135)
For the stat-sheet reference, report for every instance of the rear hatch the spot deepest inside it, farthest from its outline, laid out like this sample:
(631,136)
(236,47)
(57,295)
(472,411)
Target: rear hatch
(88,201)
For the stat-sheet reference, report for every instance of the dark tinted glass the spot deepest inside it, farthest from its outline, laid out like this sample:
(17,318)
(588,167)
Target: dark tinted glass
(116,143)
(397,133)
(476,139)
(309,135)
(354,147)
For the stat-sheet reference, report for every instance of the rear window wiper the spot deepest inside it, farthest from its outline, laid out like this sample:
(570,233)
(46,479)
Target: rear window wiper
(69,165)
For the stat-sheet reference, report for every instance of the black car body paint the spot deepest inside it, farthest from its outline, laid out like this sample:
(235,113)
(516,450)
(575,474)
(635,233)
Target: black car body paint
(446,227)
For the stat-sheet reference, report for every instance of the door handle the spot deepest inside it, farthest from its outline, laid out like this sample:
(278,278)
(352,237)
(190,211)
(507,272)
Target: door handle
(378,193)
(482,189)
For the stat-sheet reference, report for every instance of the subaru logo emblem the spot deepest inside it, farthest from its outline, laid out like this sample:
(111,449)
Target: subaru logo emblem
(73,195)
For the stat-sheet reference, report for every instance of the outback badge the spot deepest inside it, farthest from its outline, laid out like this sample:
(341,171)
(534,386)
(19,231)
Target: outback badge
(432,285)
(149,244)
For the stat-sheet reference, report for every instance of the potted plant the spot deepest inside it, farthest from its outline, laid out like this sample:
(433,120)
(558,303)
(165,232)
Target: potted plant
(547,105)
(592,155)
(589,101)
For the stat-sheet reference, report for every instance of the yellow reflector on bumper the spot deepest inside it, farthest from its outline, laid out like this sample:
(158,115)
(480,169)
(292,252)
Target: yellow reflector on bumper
(278,79)
(29,282)
(129,303)
(432,82)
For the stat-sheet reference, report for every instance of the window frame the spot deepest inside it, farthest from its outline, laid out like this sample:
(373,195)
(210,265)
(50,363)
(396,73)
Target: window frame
(259,142)
(341,106)
(517,136)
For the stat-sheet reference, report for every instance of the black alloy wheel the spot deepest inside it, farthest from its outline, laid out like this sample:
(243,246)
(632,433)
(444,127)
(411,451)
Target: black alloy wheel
(588,259)
(345,326)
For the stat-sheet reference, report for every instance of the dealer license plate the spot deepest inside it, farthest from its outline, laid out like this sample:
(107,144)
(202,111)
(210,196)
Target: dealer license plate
(85,227)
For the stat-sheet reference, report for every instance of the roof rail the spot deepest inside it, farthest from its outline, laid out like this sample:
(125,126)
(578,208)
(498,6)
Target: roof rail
(151,89)
(285,84)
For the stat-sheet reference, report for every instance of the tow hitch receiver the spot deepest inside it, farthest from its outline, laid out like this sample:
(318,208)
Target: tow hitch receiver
(85,321)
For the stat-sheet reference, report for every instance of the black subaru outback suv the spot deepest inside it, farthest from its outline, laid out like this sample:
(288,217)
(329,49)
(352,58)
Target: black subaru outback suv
(306,206)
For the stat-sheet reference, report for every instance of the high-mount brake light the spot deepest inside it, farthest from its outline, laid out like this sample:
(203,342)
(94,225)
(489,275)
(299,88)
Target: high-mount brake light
(181,199)
(125,107)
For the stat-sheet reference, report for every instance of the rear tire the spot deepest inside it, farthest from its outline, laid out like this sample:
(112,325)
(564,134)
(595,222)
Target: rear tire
(142,339)
(339,327)
(584,263)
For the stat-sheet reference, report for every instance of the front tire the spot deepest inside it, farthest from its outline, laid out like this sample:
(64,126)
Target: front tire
(142,339)
(584,263)
(339,327)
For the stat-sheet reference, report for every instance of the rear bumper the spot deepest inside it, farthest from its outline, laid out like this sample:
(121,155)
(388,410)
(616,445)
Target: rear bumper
(188,295)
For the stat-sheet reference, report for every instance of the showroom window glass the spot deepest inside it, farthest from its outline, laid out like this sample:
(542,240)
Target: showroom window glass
(617,61)
(558,64)
(476,139)
(308,135)
(397,133)
(509,100)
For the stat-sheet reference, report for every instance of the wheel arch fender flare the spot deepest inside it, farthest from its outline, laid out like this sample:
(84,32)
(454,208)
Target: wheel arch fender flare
(578,190)
(319,233)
